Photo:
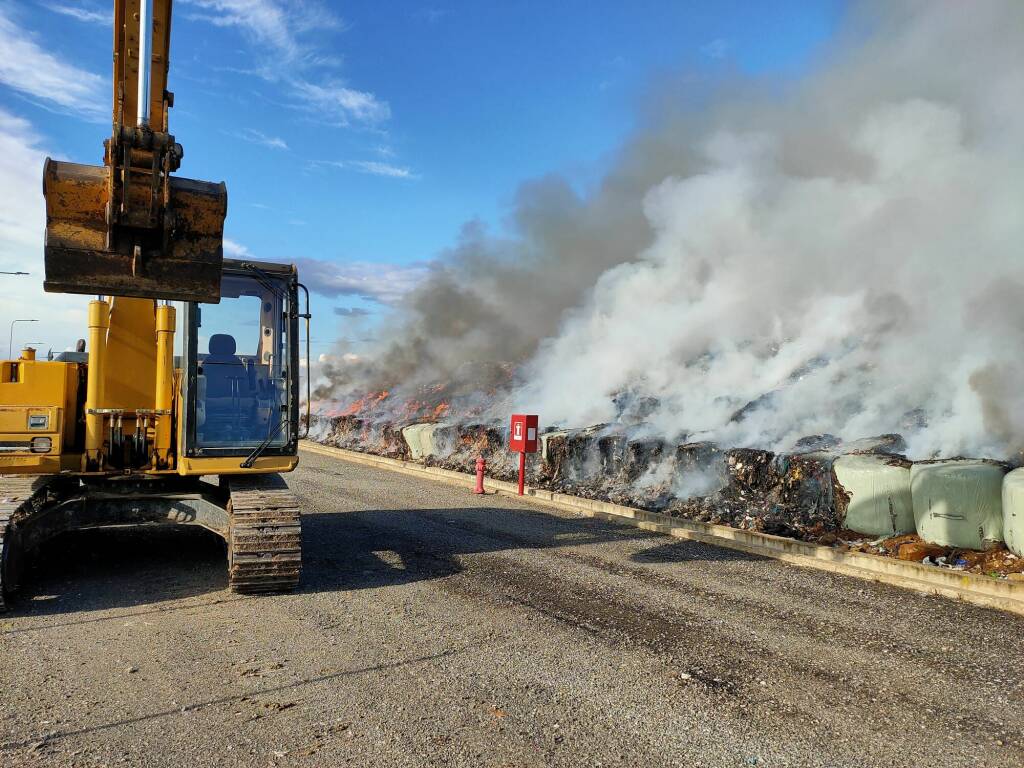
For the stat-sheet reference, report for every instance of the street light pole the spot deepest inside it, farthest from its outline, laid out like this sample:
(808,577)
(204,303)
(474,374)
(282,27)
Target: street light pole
(10,341)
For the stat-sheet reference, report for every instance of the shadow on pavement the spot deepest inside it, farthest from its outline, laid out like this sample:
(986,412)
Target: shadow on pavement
(378,548)
(681,551)
(97,569)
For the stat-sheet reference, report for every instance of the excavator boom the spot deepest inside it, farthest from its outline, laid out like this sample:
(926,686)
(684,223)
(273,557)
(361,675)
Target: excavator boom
(128,227)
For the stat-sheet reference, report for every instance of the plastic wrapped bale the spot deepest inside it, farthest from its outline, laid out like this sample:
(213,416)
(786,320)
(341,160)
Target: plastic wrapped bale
(428,439)
(958,503)
(1013,511)
(872,494)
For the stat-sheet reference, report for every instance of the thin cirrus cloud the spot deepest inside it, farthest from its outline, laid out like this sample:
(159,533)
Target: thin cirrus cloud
(372,167)
(283,26)
(266,21)
(86,15)
(44,78)
(342,105)
(258,137)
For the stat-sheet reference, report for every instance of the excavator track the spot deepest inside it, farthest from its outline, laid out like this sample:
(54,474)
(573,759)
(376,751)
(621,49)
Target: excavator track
(265,538)
(19,496)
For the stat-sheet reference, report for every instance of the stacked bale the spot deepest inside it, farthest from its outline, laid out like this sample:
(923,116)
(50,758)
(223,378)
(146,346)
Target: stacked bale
(1013,511)
(958,502)
(872,494)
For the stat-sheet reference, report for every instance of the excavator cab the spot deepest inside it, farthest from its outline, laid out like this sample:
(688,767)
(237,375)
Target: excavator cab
(242,358)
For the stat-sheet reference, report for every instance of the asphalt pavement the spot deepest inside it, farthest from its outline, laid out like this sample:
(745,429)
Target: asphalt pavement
(439,628)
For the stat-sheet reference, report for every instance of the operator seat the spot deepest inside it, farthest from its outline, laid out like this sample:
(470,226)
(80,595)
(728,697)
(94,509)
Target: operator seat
(222,367)
(226,392)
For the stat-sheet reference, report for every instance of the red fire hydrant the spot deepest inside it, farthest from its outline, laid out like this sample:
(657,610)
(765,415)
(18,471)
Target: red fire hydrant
(481,465)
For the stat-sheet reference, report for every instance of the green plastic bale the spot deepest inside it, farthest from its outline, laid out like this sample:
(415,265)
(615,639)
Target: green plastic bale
(958,503)
(876,491)
(424,440)
(1013,511)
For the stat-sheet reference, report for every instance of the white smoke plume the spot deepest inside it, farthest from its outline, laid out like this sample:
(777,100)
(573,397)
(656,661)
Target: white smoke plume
(842,255)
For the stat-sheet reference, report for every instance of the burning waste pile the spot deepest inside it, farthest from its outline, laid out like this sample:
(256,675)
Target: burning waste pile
(782,309)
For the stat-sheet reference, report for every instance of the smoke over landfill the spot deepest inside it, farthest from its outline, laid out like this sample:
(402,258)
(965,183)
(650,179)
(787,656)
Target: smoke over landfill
(842,255)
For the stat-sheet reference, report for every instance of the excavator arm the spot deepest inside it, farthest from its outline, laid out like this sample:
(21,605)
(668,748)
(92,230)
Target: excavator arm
(129,227)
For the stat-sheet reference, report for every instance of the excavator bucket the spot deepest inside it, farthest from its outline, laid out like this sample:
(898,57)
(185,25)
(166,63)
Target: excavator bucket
(179,258)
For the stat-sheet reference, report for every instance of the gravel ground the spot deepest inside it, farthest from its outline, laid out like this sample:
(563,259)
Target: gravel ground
(435,627)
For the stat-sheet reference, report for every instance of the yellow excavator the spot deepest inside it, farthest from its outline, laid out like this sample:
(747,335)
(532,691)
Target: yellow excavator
(141,427)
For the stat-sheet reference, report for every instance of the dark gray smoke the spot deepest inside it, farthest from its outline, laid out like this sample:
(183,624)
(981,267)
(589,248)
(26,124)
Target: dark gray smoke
(835,255)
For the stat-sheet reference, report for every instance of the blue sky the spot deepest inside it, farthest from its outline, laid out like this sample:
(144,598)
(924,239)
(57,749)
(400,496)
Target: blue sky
(363,134)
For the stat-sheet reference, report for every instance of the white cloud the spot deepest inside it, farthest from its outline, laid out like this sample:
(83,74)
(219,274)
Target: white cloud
(86,15)
(235,250)
(382,169)
(264,20)
(21,170)
(279,24)
(283,26)
(380,283)
(61,318)
(343,106)
(372,167)
(257,137)
(26,67)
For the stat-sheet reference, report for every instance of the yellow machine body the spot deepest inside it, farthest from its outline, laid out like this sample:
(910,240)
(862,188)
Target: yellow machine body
(128,429)
(38,415)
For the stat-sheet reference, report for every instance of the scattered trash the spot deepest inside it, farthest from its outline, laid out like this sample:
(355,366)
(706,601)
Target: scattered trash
(794,494)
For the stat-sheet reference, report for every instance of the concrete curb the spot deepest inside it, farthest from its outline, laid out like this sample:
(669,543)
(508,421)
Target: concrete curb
(971,588)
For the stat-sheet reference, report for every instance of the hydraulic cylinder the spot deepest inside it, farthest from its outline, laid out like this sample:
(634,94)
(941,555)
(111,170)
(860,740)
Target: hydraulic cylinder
(164,400)
(99,324)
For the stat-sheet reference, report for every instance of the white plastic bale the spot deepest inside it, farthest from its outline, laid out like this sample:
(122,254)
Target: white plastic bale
(428,439)
(1013,511)
(416,437)
(958,503)
(878,488)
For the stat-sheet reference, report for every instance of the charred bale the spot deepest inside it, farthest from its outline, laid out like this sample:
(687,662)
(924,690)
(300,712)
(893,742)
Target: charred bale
(751,470)
(612,452)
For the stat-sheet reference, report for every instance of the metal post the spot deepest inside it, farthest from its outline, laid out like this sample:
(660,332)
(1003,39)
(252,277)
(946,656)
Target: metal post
(522,472)
(10,341)
(145,59)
